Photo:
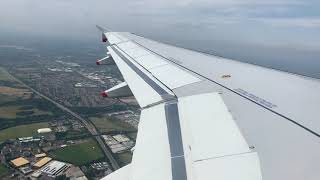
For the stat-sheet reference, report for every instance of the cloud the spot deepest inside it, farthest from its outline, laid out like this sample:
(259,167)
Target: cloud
(236,20)
(231,27)
(292,22)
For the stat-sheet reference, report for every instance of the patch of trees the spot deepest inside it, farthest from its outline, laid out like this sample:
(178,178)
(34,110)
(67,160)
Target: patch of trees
(12,84)
(7,123)
(25,113)
(88,111)
(72,135)
(62,177)
(40,104)
(26,107)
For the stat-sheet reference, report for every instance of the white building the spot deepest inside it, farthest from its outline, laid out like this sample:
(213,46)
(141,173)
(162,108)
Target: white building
(44,130)
(121,138)
(117,148)
(54,168)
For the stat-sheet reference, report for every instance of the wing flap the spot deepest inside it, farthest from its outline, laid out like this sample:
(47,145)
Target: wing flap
(151,158)
(242,166)
(211,129)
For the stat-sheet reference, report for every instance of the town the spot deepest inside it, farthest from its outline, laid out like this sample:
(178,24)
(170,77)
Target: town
(43,156)
(56,124)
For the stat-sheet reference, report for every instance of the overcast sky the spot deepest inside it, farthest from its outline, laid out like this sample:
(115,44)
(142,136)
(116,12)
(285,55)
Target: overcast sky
(218,24)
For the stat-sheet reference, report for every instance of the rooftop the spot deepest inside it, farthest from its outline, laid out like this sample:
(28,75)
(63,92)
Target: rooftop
(54,168)
(44,130)
(36,174)
(19,162)
(40,155)
(42,162)
(121,138)
(26,170)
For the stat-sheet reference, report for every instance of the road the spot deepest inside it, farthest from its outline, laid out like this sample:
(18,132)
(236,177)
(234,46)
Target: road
(87,124)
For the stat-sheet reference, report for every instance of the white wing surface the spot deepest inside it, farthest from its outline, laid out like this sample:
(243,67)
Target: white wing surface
(204,117)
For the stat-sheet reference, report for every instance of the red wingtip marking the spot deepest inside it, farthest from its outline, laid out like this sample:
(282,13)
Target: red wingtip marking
(104,38)
(104,94)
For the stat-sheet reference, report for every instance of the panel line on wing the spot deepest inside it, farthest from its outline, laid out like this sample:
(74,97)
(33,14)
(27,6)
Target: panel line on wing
(122,42)
(217,157)
(178,166)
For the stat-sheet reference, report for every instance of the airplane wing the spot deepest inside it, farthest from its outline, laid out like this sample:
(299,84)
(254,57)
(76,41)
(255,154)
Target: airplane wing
(205,117)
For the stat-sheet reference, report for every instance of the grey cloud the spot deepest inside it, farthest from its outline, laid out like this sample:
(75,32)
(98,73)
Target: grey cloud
(233,21)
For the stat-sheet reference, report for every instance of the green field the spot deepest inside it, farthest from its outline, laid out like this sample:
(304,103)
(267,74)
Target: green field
(21,131)
(3,170)
(4,75)
(79,154)
(107,124)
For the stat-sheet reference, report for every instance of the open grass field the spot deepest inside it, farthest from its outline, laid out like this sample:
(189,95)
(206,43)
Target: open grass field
(79,154)
(4,75)
(3,170)
(12,112)
(21,131)
(107,124)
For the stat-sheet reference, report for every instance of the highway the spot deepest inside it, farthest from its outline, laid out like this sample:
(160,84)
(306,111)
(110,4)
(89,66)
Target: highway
(87,124)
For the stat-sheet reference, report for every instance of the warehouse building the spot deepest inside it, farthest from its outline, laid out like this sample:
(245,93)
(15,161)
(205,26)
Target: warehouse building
(44,130)
(41,155)
(54,168)
(19,162)
(46,133)
(25,170)
(121,138)
(42,162)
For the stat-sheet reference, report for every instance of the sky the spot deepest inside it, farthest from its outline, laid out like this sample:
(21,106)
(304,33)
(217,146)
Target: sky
(259,31)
